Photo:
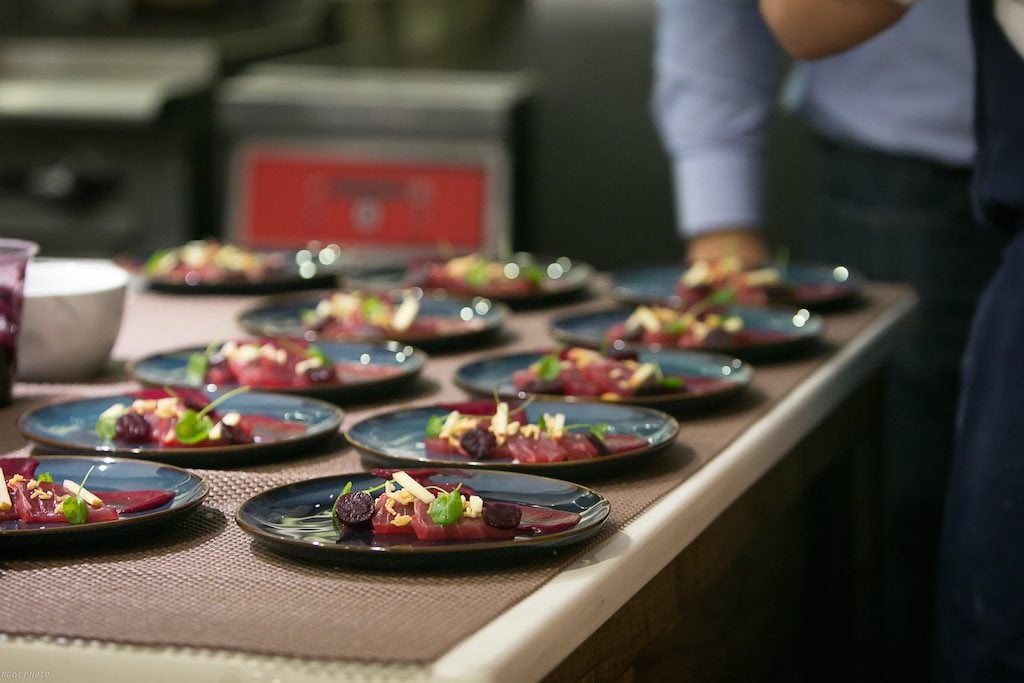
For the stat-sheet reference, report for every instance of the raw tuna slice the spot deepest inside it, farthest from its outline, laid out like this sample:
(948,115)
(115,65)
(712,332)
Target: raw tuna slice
(40,511)
(578,447)
(381,520)
(465,529)
(26,467)
(525,449)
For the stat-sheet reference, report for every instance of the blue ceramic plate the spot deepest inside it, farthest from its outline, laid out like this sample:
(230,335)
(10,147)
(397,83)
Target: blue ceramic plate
(808,286)
(69,426)
(110,474)
(170,369)
(708,378)
(300,270)
(566,278)
(396,439)
(296,519)
(472,320)
(769,333)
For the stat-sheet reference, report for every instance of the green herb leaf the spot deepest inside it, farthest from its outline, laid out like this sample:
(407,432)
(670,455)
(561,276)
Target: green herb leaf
(316,352)
(75,510)
(477,276)
(549,368)
(676,327)
(371,306)
(597,430)
(195,371)
(446,508)
(45,477)
(434,426)
(542,424)
(192,427)
(160,261)
(106,427)
(671,383)
(534,274)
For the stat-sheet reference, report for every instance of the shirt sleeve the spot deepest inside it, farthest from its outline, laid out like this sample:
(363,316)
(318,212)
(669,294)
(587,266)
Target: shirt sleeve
(715,70)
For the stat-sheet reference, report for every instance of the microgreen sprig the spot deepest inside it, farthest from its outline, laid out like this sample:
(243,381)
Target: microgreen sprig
(75,510)
(194,426)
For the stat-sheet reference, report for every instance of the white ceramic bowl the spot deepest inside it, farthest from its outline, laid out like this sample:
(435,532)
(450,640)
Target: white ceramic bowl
(71,318)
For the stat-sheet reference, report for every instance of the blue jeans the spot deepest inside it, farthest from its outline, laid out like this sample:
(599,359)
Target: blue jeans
(980,592)
(909,220)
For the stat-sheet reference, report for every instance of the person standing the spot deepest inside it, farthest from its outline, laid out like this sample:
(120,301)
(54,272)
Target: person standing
(893,121)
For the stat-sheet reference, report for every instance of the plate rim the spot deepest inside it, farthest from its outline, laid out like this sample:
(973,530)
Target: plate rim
(114,524)
(494,320)
(643,401)
(525,468)
(813,330)
(336,549)
(182,454)
(314,391)
(620,293)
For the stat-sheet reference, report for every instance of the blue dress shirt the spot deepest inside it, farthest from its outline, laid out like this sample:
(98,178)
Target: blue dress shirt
(908,91)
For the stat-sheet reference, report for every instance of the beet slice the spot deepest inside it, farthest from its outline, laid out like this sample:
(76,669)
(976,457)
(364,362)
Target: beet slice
(538,520)
(26,467)
(135,501)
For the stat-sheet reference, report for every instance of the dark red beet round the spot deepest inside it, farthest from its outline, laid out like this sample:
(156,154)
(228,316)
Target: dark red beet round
(234,434)
(502,515)
(132,428)
(354,509)
(478,442)
(320,375)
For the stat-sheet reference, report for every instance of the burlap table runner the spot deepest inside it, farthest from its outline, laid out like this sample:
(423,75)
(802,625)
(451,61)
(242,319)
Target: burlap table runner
(202,583)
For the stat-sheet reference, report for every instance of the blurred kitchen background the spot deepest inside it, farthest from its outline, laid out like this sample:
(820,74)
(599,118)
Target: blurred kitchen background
(127,125)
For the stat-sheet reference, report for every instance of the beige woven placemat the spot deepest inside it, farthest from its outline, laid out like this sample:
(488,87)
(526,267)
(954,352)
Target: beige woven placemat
(203,583)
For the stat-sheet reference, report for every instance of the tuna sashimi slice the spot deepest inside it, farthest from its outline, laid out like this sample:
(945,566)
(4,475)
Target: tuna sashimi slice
(381,520)
(40,511)
(466,529)
(525,449)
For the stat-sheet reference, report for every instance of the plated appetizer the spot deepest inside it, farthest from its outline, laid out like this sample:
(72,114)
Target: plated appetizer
(812,286)
(330,370)
(750,333)
(578,371)
(508,434)
(409,316)
(744,286)
(668,378)
(178,419)
(383,517)
(50,493)
(211,261)
(409,504)
(215,267)
(527,436)
(277,362)
(687,329)
(184,426)
(33,497)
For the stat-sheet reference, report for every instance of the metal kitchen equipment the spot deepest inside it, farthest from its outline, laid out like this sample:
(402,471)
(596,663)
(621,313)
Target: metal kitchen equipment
(388,162)
(106,134)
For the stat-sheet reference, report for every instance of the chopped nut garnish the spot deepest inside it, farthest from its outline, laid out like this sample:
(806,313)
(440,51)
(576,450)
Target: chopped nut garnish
(402,520)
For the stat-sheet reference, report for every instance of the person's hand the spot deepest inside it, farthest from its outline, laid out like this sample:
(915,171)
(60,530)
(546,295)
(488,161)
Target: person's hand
(745,244)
